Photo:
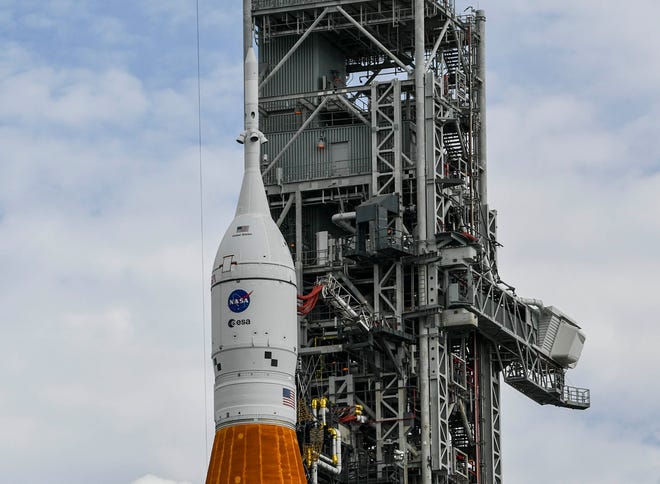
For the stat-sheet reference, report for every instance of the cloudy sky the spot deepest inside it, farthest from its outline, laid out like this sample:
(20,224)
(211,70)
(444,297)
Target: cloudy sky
(101,334)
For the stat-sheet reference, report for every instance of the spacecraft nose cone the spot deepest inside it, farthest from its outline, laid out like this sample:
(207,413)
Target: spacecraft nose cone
(252,198)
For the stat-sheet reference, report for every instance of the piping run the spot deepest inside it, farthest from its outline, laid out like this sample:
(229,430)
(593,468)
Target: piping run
(532,302)
(330,464)
(342,220)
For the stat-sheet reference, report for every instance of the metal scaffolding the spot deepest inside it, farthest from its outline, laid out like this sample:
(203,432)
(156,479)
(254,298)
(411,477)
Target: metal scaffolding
(376,173)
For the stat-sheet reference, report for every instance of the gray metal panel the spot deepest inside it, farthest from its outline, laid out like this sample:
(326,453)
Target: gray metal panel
(304,71)
(289,121)
(304,160)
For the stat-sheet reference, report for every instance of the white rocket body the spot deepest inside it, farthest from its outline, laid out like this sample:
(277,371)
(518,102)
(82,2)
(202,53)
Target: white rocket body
(253,292)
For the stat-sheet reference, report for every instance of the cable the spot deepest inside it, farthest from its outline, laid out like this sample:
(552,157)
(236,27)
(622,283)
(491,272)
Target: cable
(201,230)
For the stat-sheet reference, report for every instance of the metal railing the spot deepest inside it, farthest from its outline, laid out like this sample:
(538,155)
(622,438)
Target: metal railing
(576,396)
(258,4)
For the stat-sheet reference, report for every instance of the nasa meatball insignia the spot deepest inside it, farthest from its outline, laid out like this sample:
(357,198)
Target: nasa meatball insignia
(238,301)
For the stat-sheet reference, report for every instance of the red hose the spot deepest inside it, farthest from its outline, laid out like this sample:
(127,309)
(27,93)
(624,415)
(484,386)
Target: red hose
(309,300)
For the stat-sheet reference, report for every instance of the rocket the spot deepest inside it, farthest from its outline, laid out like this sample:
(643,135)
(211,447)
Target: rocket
(254,332)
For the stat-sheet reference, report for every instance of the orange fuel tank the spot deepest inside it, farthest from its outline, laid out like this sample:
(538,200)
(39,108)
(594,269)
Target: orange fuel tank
(255,454)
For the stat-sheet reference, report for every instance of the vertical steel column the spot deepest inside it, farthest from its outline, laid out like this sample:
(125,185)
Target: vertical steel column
(489,414)
(402,407)
(430,154)
(420,153)
(423,384)
(299,242)
(373,105)
(378,391)
(439,375)
(396,118)
(481,96)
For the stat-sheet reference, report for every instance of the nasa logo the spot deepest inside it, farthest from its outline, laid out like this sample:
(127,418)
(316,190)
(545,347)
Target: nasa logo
(238,322)
(238,301)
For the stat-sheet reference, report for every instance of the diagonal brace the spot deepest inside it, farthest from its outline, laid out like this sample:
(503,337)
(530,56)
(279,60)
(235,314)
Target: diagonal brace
(437,45)
(353,109)
(295,136)
(373,39)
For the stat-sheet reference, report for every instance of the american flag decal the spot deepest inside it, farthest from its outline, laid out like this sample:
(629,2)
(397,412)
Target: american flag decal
(242,229)
(289,398)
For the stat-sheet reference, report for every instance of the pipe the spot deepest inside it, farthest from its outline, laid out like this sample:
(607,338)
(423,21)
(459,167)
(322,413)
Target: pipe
(324,410)
(536,304)
(332,464)
(326,466)
(342,220)
(532,302)
(315,473)
(315,404)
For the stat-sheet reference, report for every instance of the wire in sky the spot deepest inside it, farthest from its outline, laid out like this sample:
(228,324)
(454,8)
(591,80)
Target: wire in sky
(201,230)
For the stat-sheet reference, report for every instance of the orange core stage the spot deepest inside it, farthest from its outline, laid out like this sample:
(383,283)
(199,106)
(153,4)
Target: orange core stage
(255,454)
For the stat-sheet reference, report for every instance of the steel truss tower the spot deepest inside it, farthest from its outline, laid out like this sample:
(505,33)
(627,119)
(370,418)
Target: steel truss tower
(375,169)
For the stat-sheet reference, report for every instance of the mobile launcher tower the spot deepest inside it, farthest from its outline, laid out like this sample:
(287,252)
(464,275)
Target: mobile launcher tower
(376,173)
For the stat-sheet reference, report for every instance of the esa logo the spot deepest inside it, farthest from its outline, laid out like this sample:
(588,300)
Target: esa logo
(238,301)
(238,322)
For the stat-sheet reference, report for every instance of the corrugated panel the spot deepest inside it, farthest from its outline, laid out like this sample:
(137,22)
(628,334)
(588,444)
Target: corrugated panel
(281,122)
(305,160)
(406,144)
(304,70)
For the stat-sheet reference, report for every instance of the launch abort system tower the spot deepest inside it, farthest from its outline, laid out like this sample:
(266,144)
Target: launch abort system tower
(376,174)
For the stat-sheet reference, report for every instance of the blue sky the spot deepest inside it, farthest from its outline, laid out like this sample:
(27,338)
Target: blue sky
(100,284)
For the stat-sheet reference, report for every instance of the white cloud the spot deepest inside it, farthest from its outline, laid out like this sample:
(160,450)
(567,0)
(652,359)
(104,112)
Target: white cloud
(114,324)
(77,98)
(151,479)
(546,445)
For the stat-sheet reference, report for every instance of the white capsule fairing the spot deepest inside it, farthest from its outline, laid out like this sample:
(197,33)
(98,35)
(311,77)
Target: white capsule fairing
(254,328)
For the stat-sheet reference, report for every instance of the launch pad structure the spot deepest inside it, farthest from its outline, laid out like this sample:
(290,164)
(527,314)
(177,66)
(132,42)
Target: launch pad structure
(376,173)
